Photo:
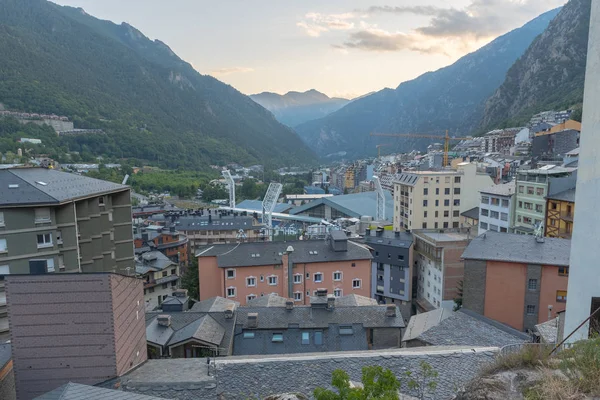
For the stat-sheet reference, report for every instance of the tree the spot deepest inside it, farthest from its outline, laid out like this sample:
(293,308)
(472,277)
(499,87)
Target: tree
(190,280)
(378,383)
(459,298)
(424,381)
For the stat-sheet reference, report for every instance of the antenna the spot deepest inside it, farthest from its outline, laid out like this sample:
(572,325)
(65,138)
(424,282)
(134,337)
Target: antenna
(380,213)
(231,184)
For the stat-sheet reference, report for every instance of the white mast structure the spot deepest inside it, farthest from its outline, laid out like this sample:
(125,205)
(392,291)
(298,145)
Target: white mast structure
(269,203)
(231,184)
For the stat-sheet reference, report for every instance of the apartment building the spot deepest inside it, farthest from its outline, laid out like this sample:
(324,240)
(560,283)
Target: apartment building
(168,241)
(532,188)
(207,230)
(519,280)
(435,199)
(497,208)
(293,269)
(560,210)
(439,267)
(161,277)
(391,272)
(53,221)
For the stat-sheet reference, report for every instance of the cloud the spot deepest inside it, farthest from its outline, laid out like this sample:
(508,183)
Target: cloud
(230,70)
(315,23)
(382,41)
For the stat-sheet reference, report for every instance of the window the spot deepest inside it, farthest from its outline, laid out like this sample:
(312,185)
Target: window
(424,225)
(495,201)
(530,190)
(42,215)
(110,216)
(337,276)
(528,206)
(425,214)
(521,189)
(485,199)
(437,203)
(164,273)
(455,213)
(563,271)
(1,219)
(435,225)
(277,338)
(483,225)
(230,292)
(456,203)
(101,201)
(485,212)
(4,270)
(530,309)
(457,179)
(446,214)
(318,277)
(504,203)
(400,258)
(251,281)
(273,280)
(561,296)
(424,203)
(356,283)
(305,337)
(436,214)
(174,283)
(425,191)
(308,273)
(503,230)
(527,220)
(44,240)
(456,190)
(318,338)
(532,285)
(445,225)
(504,216)
(539,191)
(494,214)
(248,335)
(3,248)
(230,273)
(455,224)
(539,208)
(297,279)
(437,191)
(337,292)
(262,278)
(250,297)
(165,285)
(297,296)
(346,330)
(446,203)
(520,204)
(447,191)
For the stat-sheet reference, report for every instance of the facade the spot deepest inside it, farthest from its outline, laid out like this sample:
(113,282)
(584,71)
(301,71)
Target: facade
(4,335)
(99,316)
(323,326)
(160,275)
(532,188)
(168,241)
(53,221)
(560,209)
(391,272)
(293,269)
(435,199)
(497,208)
(301,199)
(546,144)
(518,280)
(439,267)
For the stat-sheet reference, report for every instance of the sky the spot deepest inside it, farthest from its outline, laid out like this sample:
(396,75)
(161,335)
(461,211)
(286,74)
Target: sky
(343,48)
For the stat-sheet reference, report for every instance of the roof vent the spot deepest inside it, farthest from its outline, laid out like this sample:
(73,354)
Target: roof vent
(289,304)
(390,311)
(13,186)
(41,183)
(252,320)
(164,320)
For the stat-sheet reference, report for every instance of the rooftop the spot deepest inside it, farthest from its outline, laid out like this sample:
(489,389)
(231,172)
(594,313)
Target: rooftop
(5,354)
(548,330)
(509,247)
(354,205)
(76,391)
(257,205)
(443,236)
(548,170)
(506,189)
(36,186)
(473,213)
(215,304)
(224,223)
(566,195)
(389,238)
(152,261)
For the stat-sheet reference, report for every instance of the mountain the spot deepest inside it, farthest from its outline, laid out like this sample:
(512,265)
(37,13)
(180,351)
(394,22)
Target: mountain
(450,98)
(551,73)
(294,108)
(152,104)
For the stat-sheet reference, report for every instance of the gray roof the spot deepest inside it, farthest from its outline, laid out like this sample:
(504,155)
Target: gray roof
(354,300)
(390,238)
(473,213)
(269,300)
(257,205)
(509,247)
(152,261)
(311,317)
(47,186)
(465,328)
(422,322)
(5,354)
(566,195)
(214,304)
(225,223)
(354,205)
(270,253)
(548,330)
(204,329)
(175,300)
(76,391)
(506,189)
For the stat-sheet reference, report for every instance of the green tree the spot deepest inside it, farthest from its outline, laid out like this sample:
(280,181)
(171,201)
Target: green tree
(190,279)
(423,382)
(378,383)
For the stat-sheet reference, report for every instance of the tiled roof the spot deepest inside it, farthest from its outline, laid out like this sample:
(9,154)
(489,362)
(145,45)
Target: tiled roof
(548,330)
(152,261)
(566,195)
(76,391)
(509,247)
(205,329)
(465,328)
(214,304)
(47,186)
(270,300)
(354,300)
(473,213)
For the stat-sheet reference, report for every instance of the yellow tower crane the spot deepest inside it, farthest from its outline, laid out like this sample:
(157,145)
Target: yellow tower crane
(379,146)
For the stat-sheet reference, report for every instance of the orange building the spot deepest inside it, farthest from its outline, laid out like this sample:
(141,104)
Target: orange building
(168,241)
(519,280)
(295,269)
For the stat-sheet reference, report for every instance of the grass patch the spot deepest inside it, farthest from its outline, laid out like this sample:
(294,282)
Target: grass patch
(529,356)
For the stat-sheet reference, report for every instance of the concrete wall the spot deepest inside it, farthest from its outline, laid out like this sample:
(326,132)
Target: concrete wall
(551,283)
(386,338)
(474,286)
(532,296)
(584,279)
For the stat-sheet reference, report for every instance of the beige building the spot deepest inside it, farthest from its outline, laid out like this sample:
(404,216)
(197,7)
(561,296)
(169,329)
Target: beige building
(435,199)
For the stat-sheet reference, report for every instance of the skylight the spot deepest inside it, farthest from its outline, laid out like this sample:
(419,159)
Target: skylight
(41,183)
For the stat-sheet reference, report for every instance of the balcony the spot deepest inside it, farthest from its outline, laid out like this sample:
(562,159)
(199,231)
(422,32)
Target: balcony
(566,216)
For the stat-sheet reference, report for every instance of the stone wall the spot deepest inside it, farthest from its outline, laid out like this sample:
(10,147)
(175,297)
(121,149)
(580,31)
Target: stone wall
(474,285)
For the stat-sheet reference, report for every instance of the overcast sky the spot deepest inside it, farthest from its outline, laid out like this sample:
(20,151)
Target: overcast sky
(340,47)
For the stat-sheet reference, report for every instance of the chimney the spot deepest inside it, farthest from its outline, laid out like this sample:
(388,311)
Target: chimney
(172,229)
(380,231)
(390,311)
(368,232)
(330,302)
(164,320)
(180,293)
(397,234)
(228,314)
(253,320)
(321,292)
(289,304)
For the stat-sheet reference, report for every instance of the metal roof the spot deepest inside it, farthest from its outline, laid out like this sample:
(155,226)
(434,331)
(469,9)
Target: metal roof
(473,213)
(22,186)
(509,247)
(76,391)
(566,195)
(257,205)
(225,223)
(353,205)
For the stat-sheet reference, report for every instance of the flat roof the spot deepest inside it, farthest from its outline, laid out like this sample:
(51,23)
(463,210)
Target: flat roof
(446,236)
(505,189)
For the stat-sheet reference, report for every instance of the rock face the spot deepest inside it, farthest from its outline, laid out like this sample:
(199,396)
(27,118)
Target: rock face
(501,386)
(450,98)
(550,75)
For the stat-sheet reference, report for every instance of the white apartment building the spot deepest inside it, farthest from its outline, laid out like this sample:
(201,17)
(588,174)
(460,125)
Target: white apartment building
(497,208)
(435,199)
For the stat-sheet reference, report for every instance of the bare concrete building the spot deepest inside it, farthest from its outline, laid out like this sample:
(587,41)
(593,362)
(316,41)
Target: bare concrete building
(81,328)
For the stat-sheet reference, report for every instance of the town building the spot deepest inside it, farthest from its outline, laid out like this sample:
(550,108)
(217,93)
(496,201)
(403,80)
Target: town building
(293,269)
(497,208)
(4,335)
(391,266)
(568,124)
(439,267)
(550,145)
(516,279)
(532,188)
(80,328)
(327,324)
(301,199)
(444,327)
(560,210)
(354,205)
(470,218)
(435,199)
(168,241)
(161,277)
(52,221)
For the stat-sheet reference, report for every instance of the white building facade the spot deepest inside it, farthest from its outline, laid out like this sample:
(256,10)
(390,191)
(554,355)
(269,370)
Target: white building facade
(497,208)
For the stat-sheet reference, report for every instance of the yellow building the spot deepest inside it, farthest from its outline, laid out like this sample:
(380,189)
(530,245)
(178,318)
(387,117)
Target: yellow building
(560,209)
(570,124)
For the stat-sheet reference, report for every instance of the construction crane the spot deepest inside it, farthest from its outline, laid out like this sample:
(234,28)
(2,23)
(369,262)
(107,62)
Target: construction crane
(379,146)
(445,138)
